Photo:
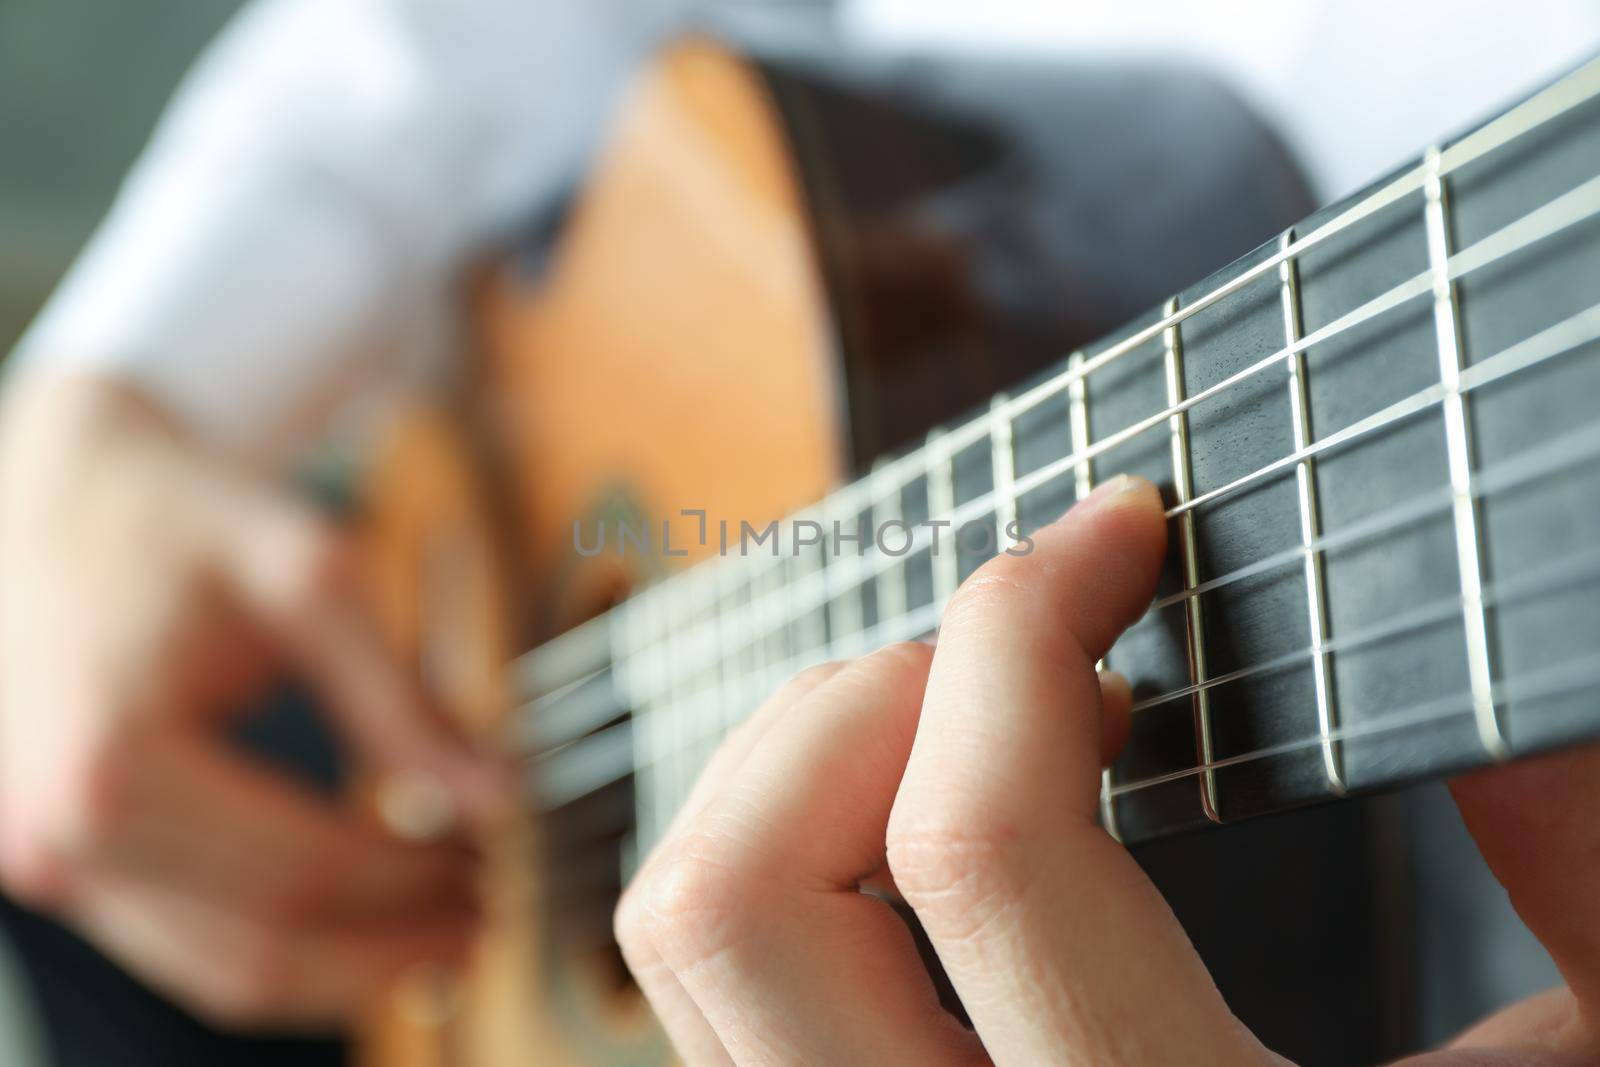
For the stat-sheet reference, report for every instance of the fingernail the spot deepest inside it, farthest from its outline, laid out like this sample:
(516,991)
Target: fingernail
(1114,489)
(416,806)
(1117,681)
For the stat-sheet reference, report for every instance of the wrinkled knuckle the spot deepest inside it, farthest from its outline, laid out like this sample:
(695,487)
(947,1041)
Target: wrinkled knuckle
(292,898)
(700,896)
(993,590)
(627,922)
(250,991)
(903,659)
(954,867)
(815,675)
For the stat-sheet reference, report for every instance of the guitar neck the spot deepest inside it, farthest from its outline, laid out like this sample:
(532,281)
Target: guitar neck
(1376,436)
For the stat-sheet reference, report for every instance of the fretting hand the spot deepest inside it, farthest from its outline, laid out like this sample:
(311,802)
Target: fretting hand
(969,776)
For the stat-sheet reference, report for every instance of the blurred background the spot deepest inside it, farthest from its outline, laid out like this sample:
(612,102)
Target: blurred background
(81,85)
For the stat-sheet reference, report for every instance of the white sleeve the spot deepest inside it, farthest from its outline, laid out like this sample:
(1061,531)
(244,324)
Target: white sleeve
(295,228)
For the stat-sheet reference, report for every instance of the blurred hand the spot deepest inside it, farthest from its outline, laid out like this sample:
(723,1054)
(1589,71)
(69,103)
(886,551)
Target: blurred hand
(150,592)
(968,778)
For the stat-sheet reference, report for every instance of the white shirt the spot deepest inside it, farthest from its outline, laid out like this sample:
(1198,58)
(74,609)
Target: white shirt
(294,233)
(295,230)
(1355,86)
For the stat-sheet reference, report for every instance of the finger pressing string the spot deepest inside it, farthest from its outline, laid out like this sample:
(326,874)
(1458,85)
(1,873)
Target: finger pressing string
(1053,937)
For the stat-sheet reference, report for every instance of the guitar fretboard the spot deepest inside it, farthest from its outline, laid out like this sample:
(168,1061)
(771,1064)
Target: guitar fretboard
(1377,438)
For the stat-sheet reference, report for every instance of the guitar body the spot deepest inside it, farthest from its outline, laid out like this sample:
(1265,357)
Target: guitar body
(778,269)
(675,352)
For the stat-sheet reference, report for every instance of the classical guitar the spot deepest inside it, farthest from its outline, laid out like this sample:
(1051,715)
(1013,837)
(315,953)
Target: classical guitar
(1376,433)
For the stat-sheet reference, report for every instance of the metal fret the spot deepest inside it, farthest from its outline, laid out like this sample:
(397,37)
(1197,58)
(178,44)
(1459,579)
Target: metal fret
(680,699)
(812,624)
(1183,482)
(1003,460)
(698,719)
(773,623)
(650,673)
(630,641)
(890,582)
(1310,523)
(941,503)
(768,614)
(803,647)
(1572,92)
(765,662)
(1458,449)
(691,636)
(1082,486)
(658,727)
(841,579)
(729,638)
(1078,415)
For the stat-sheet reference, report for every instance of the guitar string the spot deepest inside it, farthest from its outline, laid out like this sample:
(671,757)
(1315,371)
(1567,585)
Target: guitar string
(1574,90)
(1574,448)
(917,624)
(1551,457)
(567,657)
(1571,675)
(594,634)
(1560,339)
(1526,353)
(1556,456)
(557,717)
(1288,461)
(571,771)
(1495,135)
(818,590)
(1582,567)
(1527,357)
(1553,448)
(1555,341)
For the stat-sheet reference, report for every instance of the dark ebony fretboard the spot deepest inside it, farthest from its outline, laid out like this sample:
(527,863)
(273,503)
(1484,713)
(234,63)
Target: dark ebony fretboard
(1377,435)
